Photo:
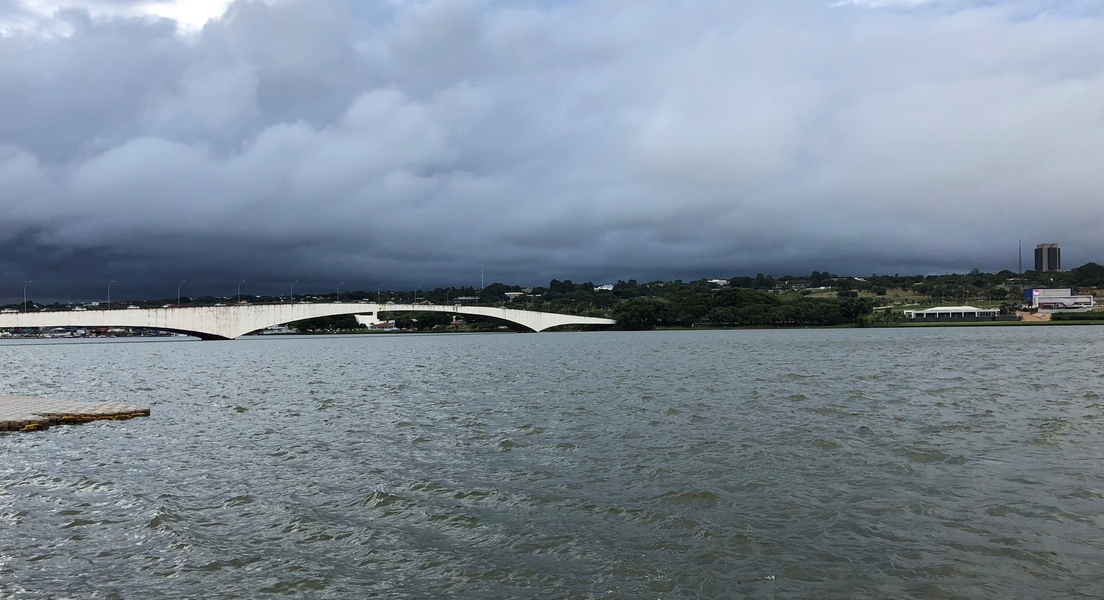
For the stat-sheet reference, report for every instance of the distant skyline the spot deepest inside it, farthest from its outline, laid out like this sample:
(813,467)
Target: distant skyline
(417,142)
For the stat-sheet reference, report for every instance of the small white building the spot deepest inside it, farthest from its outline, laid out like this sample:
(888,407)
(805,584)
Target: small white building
(1057,299)
(955,313)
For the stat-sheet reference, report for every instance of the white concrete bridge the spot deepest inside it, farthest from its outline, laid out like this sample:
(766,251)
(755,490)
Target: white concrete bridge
(229,322)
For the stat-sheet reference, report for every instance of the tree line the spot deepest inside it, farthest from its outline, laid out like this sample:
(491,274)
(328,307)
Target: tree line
(741,301)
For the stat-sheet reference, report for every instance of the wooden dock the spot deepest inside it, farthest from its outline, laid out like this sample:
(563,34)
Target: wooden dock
(21,413)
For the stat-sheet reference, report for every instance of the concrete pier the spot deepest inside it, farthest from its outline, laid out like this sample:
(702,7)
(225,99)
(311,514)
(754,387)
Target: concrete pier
(21,413)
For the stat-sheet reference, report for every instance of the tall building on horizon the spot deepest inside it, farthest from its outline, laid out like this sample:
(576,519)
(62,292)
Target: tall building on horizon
(1048,257)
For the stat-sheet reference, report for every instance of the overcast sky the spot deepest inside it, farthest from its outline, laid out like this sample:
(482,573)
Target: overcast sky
(419,142)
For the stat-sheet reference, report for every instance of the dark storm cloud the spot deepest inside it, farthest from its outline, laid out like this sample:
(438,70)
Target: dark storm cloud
(418,143)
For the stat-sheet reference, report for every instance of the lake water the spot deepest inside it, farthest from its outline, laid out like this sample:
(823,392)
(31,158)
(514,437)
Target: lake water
(903,463)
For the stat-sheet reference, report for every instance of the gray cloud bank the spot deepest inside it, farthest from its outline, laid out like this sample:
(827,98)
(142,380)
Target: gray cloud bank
(419,142)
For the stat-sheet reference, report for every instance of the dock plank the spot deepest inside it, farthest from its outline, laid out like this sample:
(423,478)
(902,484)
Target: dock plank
(25,413)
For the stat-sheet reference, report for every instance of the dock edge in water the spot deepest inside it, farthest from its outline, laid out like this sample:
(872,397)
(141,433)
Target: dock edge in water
(22,413)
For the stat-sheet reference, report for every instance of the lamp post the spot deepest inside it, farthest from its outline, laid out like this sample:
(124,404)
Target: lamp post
(339,291)
(378,293)
(25,295)
(109,294)
(293,290)
(416,294)
(239,290)
(178,292)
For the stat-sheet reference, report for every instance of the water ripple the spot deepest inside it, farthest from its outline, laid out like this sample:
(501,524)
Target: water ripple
(934,463)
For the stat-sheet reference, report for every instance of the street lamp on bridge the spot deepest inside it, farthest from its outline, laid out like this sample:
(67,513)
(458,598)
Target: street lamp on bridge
(378,293)
(178,292)
(339,291)
(25,295)
(239,290)
(109,294)
(293,290)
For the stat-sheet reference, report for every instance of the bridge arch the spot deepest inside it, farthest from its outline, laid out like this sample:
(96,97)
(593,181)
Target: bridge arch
(527,321)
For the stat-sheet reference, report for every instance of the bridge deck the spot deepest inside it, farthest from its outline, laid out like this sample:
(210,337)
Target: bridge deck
(21,413)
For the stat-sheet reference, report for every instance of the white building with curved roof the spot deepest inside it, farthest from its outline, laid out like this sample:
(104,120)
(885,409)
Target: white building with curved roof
(953,313)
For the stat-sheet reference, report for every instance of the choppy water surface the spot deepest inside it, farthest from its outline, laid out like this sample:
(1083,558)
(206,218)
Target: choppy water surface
(922,463)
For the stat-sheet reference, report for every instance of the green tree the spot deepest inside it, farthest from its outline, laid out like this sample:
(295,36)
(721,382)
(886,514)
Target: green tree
(338,323)
(640,313)
(1089,274)
(854,308)
(422,321)
(723,316)
(689,306)
(740,297)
